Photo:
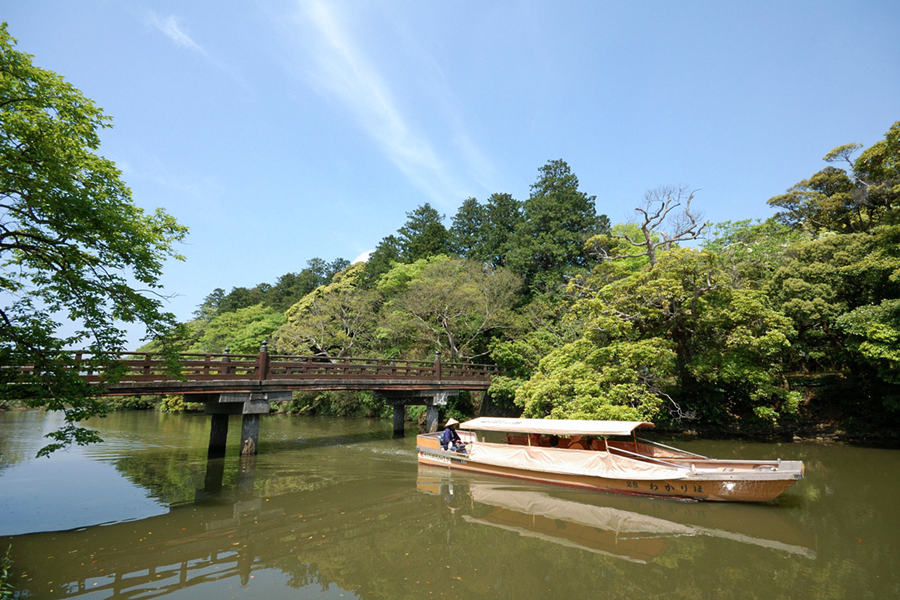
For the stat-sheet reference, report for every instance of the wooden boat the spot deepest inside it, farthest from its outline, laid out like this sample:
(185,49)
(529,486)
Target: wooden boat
(579,454)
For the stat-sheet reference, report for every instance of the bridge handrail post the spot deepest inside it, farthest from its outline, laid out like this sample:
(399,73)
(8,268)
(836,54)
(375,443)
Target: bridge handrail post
(437,365)
(227,359)
(148,364)
(262,362)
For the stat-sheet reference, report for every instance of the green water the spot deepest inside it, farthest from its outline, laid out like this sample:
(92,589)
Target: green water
(335,508)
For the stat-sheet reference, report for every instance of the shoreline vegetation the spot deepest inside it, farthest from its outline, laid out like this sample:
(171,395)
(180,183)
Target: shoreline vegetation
(790,325)
(787,328)
(805,427)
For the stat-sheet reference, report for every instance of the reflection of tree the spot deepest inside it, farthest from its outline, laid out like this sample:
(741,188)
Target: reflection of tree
(378,538)
(172,478)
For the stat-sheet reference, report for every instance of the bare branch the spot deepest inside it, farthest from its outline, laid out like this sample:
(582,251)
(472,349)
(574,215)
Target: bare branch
(659,226)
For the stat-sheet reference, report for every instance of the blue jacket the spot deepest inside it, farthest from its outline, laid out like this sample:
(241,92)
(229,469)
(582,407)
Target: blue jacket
(449,438)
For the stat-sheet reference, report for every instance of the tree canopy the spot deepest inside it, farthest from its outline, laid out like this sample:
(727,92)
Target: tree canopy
(73,244)
(550,242)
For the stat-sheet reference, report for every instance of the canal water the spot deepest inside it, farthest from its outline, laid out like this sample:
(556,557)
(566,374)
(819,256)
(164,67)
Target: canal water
(338,508)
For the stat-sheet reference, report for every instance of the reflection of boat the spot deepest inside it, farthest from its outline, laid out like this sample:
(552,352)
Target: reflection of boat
(577,453)
(632,528)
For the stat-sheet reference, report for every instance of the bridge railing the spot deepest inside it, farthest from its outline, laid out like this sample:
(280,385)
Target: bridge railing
(150,367)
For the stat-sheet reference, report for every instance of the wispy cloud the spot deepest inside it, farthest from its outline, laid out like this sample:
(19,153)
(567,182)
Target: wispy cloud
(344,71)
(172,29)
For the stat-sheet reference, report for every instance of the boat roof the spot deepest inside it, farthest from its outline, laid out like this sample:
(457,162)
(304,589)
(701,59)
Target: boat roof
(554,426)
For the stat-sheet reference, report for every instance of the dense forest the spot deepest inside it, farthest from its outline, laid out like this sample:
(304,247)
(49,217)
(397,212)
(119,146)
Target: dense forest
(777,325)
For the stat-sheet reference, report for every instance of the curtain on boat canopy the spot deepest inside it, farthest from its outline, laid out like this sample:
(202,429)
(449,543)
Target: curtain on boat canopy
(571,462)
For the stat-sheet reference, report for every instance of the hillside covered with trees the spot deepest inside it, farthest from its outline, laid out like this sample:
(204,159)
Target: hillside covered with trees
(737,326)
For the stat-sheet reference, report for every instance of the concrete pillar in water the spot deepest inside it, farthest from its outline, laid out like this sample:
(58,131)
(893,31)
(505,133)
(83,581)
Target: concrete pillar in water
(431,418)
(399,417)
(218,433)
(249,434)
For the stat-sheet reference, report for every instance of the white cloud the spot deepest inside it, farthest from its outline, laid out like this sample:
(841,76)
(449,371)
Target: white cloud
(343,70)
(170,27)
(364,257)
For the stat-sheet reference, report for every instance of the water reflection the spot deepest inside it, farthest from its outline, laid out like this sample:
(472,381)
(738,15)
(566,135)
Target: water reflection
(224,534)
(630,528)
(335,507)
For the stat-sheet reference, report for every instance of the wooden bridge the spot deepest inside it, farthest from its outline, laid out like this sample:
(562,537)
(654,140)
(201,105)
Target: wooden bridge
(247,384)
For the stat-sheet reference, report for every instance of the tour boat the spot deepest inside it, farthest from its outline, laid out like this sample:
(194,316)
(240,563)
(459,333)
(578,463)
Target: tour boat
(579,454)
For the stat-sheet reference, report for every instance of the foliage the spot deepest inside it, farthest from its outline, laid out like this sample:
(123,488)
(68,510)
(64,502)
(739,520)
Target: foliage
(614,382)
(174,404)
(396,281)
(678,335)
(334,320)
(549,244)
(847,200)
(451,306)
(132,402)
(423,235)
(828,277)
(289,288)
(544,325)
(386,254)
(240,331)
(466,231)
(874,334)
(484,233)
(751,251)
(73,245)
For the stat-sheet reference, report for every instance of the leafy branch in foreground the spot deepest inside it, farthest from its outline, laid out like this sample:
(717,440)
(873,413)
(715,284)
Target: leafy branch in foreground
(74,248)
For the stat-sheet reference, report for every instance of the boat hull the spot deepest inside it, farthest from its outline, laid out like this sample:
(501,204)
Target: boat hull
(723,486)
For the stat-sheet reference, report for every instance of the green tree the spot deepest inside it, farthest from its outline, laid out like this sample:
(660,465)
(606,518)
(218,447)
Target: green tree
(72,244)
(549,244)
(210,306)
(679,335)
(502,215)
(241,331)
(381,260)
(423,234)
(850,199)
(452,305)
(751,251)
(242,297)
(465,235)
(334,320)
(483,233)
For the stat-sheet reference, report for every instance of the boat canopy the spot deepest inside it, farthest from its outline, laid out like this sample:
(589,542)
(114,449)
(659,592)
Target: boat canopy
(553,426)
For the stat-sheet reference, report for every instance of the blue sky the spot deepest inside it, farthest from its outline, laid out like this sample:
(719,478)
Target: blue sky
(280,131)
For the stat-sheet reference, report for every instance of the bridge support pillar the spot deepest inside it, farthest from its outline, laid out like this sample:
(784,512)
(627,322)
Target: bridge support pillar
(249,405)
(399,418)
(218,434)
(431,399)
(431,418)
(249,434)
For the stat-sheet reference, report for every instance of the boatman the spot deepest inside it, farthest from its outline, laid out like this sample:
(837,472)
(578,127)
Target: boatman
(450,439)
